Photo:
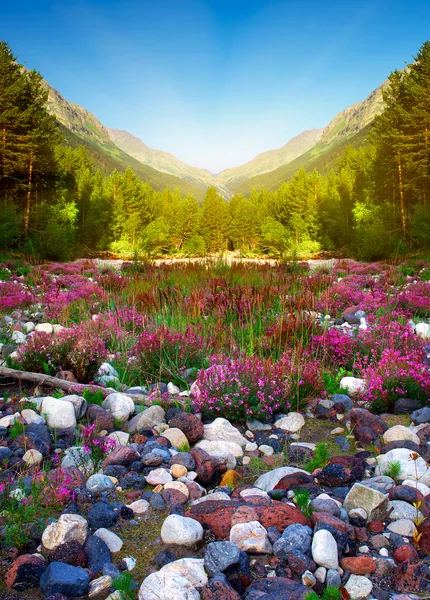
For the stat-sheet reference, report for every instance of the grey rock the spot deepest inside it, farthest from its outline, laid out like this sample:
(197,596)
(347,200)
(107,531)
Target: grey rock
(421,416)
(219,556)
(61,578)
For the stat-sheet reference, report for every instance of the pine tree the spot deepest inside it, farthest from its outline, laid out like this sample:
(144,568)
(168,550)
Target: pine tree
(215,221)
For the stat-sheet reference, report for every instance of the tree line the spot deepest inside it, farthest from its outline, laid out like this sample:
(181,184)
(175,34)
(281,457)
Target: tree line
(56,203)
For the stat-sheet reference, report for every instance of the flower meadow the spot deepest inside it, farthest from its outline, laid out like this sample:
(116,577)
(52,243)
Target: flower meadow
(252,340)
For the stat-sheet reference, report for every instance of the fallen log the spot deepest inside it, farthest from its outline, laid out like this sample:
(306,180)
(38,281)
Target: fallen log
(55,382)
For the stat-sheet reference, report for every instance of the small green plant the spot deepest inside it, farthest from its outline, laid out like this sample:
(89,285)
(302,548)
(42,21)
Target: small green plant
(330,593)
(320,459)
(184,447)
(58,394)
(117,423)
(93,396)
(124,584)
(302,498)
(16,429)
(394,468)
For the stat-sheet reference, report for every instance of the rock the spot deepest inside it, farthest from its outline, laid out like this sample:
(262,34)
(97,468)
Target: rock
(79,404)
(421,416)
(178,471)
(403,510)
(119,405)
(101,417)
(358,565)
(411,577)
(266,450)
(292,423)
(45,328)
(32,457)
(218,590)
(375,503)
(121,438)
(333,578)
(206,467)
(405,406)
(404,527)
(181,531)
(165,586)
(277,588)
(72,553)
(255,425)
(112,541)
(68,527)
(190,425)
(25,572)
(61,578)
(268,481)
(102,515)
(222,430)
(324,549)
(124,455)
(216,446)
(58,413)
(99,587)
(295,536)
(363,418)
(99,483)
(358,586)
(423,330)
(190,568)
(98,555)
(176,437)
(353,385)
(250,537)
(31,416)
(159,477)
(405,552)
(400,433)
(410,469)
(18,337)
(219,556)
(139,507)
(149,418)
(342,400)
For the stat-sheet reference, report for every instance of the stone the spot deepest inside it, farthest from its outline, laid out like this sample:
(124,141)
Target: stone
(44,328)
(178,471)
(102,515)
(121,438)
(251,537)
(423,330)
(119,405)
(295,536)
(221,430)
(18,337)
(405,406)
(405,552)
(176,437)
(215,446)
(25,572)
(358,586)
(404,510)
(292,423)
(99,587)
(189,424)
(61,578)
(268,481)
(98,555)
(219,556)
(148,419)
(139,507)
(400,433)
(159,477)
(181,531)
(255,425)
(32,457)
(31,416)
(358,565)
(411,576)
(353,385)
(101,417)
(79,404)
(112,541)
(324,549)
(333,578)
(410,469)
(404,527)
(123,455)
(98,483)
(421,416)
(58,413)
(190,568)
(218,589)
(266,450)
(375,503)
(360,417)
(68,527)
(72,553)
(165,586)
(206,467)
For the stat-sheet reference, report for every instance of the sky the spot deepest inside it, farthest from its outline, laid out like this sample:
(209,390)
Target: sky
(215,82)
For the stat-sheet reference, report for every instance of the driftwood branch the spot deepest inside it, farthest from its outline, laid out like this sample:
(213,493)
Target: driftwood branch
(56,382)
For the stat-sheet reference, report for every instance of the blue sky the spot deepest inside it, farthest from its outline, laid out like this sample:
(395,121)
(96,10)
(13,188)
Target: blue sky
(215,82)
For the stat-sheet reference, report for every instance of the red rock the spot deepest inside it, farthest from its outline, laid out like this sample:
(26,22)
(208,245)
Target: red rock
(361,534)
(190,425)
(361,417)
(350,310)
(280,515)
(244,514)
(280,588)
(123,456)
(25,572)
(425,536)
(72,553)
(133,495)
(295,480)
(206,467)
(194,490)
(101,417)
(329,519)
(411,577)
(172,496)
(70,477)
(218,590)
(376,526)
(405,552)
(358,565)
(216,515)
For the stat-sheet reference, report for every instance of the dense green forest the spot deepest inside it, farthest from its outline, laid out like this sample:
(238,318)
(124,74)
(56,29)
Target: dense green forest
(56,204)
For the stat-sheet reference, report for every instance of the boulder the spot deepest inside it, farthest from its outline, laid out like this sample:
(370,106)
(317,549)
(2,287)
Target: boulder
(410,468)
(292,423)
(222,430)
(251,537)
(400,433)
(375,503)
(324,549)
(181,531)
(68,527)
(60,578)
(59,414)
(119,405)
(268,481)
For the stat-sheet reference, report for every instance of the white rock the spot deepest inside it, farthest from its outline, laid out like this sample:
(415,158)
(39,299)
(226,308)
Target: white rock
(223,430)
(8,420)
(167,586)
(149,418)
(224,458)
(31,416)
(403,527)
(68,527)
(119,437)
(99,587)
(29,326)
(139,506)
(176,437)
(266,450)
(75,456)
(181,531)
(423,330)
(112,541)
(98,483)
(32,457)
(18,337)
(292,423)
(108,370)
(403,510)
(213,496)
(400,433)
(353,385)
(119,405)
(220,446)
(250,447)
(324,549)
(45,328)
(179,486)
(159,477)
(320,574)
(254,492)
(191,568)
(251,537)
(173,389)
(269,480)
(58,413)
(408,466)
(358,586)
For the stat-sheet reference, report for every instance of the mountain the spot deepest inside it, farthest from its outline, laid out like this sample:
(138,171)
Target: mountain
(349,127)
(80,127)
(271,160)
